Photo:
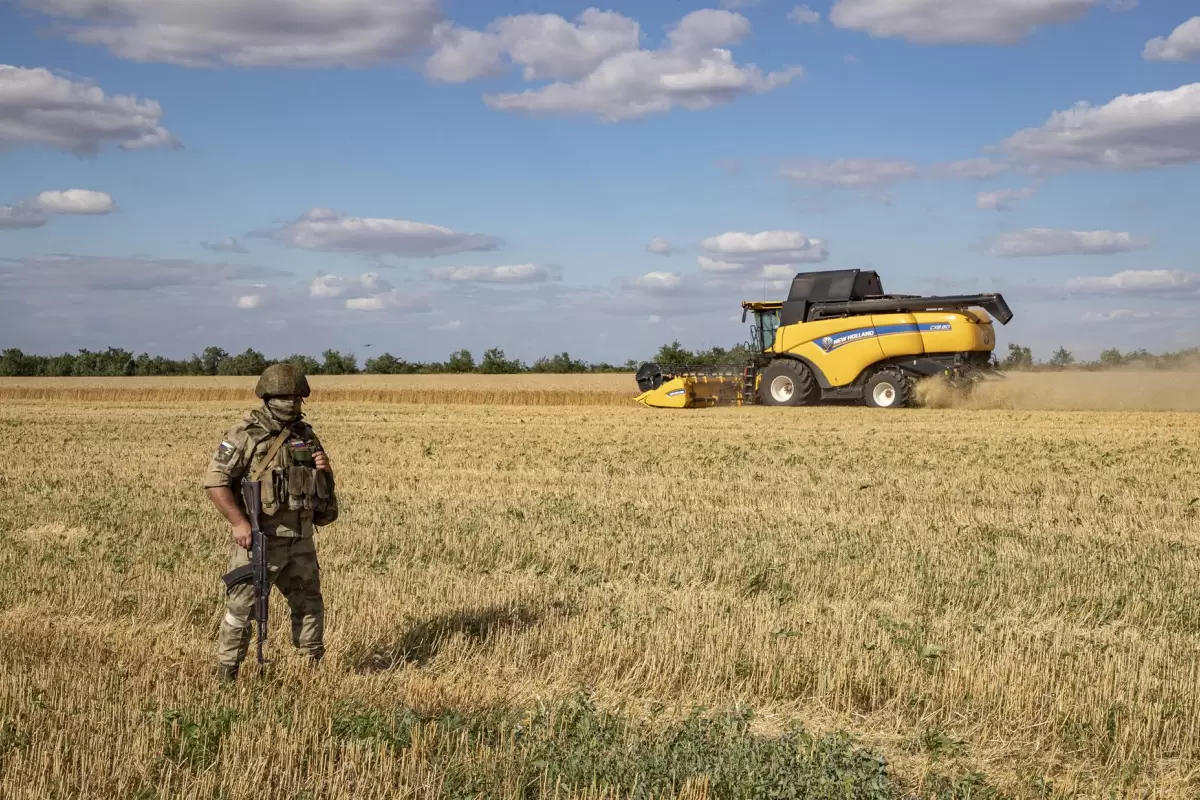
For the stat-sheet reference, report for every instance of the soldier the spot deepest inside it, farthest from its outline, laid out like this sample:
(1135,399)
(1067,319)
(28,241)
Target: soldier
(273,444)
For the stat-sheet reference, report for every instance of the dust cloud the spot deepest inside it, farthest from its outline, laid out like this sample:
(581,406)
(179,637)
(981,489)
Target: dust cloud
(1110,390)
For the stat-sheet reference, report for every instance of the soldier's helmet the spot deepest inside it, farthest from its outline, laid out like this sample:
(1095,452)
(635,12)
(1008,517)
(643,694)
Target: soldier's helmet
(282,379)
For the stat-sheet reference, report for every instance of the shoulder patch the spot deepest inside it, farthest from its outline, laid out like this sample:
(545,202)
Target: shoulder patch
(224,452)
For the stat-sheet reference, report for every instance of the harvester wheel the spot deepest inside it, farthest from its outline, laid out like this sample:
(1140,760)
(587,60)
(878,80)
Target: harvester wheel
(787,382)
(888,389)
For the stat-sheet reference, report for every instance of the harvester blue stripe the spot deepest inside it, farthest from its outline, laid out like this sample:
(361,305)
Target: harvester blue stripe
(836,340)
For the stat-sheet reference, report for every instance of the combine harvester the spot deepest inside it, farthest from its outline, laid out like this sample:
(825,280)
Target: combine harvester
(838,337)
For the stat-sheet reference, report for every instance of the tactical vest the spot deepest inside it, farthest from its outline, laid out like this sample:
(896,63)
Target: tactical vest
(290,480)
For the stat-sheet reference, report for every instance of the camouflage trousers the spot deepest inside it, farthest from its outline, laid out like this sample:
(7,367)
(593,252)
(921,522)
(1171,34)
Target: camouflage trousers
(292,567)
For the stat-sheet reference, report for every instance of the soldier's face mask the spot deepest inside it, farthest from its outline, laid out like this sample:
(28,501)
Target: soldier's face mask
(285,409)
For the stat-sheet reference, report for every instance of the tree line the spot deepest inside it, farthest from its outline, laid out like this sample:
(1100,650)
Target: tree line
(1021,358)
(116,362)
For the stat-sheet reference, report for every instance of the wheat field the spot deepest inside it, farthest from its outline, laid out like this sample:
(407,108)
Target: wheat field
(543,598)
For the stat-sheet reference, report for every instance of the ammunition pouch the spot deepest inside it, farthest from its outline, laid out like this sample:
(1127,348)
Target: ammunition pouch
(325,509)
(291,482)
(243,574)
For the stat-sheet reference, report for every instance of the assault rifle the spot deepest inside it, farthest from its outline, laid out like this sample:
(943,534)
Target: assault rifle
(256,570)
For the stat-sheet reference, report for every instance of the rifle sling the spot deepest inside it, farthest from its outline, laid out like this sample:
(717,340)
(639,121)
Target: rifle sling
(266,462)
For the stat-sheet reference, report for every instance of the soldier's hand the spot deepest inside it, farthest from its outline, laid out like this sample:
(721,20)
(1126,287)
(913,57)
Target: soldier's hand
(241,535)
(321,460)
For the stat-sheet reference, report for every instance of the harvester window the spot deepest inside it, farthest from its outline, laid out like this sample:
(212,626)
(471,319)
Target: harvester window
(768,321)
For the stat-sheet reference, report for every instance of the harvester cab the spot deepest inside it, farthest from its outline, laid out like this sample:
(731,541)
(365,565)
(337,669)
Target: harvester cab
(839,337)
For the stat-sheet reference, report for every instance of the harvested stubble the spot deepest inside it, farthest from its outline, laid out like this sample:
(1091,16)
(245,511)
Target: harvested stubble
(1005,592)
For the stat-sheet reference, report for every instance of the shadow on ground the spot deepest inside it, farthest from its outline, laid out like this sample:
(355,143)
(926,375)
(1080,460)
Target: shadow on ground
(421,641)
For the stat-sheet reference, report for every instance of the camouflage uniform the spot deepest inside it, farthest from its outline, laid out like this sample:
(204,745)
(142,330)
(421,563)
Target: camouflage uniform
(296,497)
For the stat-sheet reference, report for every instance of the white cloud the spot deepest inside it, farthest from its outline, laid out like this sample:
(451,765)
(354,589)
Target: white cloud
(385,300)
(1130,132)
(546,45)
(74,201)
(657,281)
(517,273)
(348,286)
(14,217)
(36,212)
(1182,45)
(248,300)
(332,231)
(263,33)
(1130,315)
(38,107)
(1138,282)
(1003,199)
(1057,242)
(803,15)
(654,319)
(230,245)
(449,325)
(1004,22)
(660,246)
(848,172)
(762,252)
(599,68)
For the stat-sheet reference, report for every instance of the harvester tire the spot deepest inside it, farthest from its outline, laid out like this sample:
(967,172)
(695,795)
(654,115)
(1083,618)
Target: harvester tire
(888,388)
(787,382)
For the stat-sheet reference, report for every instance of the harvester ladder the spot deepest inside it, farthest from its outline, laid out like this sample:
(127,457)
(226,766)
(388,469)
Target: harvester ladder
(749,373)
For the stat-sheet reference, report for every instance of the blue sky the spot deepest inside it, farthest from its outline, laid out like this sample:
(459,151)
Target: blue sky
(913,137)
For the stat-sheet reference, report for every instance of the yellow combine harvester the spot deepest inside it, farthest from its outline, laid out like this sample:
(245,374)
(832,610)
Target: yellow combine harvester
(839,337)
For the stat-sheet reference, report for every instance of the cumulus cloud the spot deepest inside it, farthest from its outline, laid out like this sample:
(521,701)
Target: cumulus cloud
(766,253)
(230,245)
(364,292)
(74,201)
(848,172)
(660,246)
(1003,199)
(657,282)
(39,108)
(598,66)
(803,15)
(263,33)
(383,301)
(248,301)
(1002,22)
(1138,282)
(1131,132)
(518,273)
(36,211)
(545,45)
(1058,242)
(1182,45)
(324,230)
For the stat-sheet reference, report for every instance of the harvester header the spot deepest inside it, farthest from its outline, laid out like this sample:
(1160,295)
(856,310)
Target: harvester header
(839,337)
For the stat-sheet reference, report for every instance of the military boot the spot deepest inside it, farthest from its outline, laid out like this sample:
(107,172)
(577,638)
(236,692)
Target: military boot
(227,673)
